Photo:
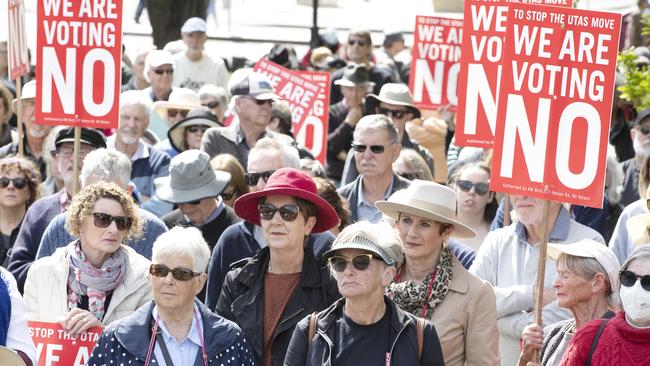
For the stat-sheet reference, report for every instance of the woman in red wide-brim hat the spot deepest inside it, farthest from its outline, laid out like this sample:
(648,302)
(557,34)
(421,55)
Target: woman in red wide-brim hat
(269,293)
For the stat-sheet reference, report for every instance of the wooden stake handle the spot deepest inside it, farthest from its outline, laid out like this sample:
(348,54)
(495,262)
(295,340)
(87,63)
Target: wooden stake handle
(541,270)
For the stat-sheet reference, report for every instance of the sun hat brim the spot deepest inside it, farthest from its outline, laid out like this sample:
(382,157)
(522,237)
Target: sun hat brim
(393,209)
(372,100)
(213,188)
(176,132)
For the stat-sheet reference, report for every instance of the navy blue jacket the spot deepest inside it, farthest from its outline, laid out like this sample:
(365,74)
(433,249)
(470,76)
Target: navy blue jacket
(126,341)
(237,243)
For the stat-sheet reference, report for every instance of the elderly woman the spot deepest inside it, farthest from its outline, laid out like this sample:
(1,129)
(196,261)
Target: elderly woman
(432,283)
(187,133)
(237,185)
(624,339)
(95,279)
(174,328)
(586,277)
(216,99)
(283,282)
(364,327)
(19,180)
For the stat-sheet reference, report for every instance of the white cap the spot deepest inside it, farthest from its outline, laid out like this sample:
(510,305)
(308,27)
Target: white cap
(28,92)
(256,85)
(588,248)
(194,25)
(156,58)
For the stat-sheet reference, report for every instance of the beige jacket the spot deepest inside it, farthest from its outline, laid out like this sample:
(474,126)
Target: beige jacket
(46,288)
(466,321)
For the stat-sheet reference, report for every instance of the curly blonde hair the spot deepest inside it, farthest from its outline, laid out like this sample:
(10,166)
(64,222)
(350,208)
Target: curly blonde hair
(83,204)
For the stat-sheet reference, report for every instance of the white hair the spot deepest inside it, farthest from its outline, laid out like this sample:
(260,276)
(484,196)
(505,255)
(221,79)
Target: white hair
(614,172)
(187,241)
(289,153)
(135,97)
(106,165)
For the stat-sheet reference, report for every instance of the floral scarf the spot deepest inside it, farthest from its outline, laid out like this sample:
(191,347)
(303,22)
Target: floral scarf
(421,299)
(86,280)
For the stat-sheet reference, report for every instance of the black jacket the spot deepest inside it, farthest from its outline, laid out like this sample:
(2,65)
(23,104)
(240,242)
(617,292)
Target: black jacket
(242,301)
(404,350)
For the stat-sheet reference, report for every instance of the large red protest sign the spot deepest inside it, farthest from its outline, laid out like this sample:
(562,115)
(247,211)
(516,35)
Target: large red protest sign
(555,103)
(313,133)
(17,56)
(79,53)
(480,69)
(54,347)
(436,62)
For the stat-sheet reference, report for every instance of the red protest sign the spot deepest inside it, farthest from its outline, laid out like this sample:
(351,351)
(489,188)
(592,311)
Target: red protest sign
(436,62)
(480,69)
(55,347)
(555,103)
(313,133)
(79,53)
(17,56)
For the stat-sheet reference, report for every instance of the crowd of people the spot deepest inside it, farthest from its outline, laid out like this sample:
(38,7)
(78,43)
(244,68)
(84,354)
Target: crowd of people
(203,233)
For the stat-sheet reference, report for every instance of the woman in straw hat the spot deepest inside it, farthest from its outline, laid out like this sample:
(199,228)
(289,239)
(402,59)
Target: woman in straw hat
(587,274)
(283,283)
(433,284)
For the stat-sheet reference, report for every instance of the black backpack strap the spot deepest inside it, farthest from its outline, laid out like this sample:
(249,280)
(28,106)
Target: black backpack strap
(594,344)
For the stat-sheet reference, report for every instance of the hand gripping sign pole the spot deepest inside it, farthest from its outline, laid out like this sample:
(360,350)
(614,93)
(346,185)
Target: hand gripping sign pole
(18,58)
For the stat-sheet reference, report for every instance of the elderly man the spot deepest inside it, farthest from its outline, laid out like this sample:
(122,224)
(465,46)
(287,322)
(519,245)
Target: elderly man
(508,260)
(254,96)
(194,67)
(375,148)
(147,163)
(103,165)
(41,212)
(184,332)
(244,239)
(138,81)
(641,142)
(216,99)
(159,73)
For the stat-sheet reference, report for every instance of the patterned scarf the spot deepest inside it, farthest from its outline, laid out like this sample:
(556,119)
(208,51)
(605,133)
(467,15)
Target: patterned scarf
(418,298)
(84,279)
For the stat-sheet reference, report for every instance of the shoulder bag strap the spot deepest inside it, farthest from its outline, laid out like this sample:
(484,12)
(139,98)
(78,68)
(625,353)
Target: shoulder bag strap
(313,319)
(420,335)
(594,344)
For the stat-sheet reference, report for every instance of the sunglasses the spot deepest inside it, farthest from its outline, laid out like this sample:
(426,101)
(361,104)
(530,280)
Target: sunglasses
(376,149)
(197,128)
(180,274)
(19,183)
(103,221)
(192,203)
(361,43)
(228,195)
(211,105)
(164,71)
(644,129)
(253,178)
(628,279)
(172,113)
(262,101)
(392,113)
(480,188)
(287,212)
(360,262)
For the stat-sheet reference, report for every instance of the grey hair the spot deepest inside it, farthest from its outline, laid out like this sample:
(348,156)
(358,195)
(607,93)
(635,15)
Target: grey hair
(106,165)
(289,153)
(614,171)
(211,90)
(415,163)
(135,97)
(587,268)
(187,241)
(378,122)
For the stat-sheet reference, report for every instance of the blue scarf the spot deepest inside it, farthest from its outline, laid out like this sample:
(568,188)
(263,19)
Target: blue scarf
(5,311)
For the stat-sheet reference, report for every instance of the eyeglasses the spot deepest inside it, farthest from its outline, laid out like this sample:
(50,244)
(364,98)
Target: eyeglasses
(392,113)
(253,178)
(164,71)
(376,149)
(172,113)
(228,195)
(196,128)
(211,105)
(19,183)
(361,43)
(480,188)
(103,221)
(628,279)
(180,273)
(66,151)
(261,102)
(360,262)
(644,129)
(287,212)
(409,176)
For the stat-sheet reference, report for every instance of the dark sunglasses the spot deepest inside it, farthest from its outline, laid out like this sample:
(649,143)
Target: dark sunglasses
(392,113)
(376,149)
(360,262)
(628,279)
(19,183)
(180,274)
(211,105)
(261,101)
(192,203)
(163,71)
(228,195)
(172,113)
(480,188)
(196,128)
(103,220)
(287,212)
(361,43)
(409,176)
(253,178)
(644,129)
